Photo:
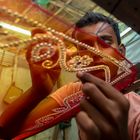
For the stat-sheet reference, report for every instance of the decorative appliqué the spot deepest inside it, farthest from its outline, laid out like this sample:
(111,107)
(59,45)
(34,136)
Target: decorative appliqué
(79,61)
(69,103)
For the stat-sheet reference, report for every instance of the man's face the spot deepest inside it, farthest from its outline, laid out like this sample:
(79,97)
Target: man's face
(102,30)
(107,34)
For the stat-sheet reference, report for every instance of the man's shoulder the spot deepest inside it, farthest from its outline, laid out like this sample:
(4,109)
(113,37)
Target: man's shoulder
(134,100)
(132,96)
(134,113)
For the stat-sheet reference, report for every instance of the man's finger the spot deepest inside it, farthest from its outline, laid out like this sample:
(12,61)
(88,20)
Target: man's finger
(98,118)
(88,129)
(96,97)
(106,89)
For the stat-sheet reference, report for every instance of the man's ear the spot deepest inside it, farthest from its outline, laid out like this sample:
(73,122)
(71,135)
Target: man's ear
(122,49)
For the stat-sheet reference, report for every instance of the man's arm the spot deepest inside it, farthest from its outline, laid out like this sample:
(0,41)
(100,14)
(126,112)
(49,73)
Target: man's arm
(13,117)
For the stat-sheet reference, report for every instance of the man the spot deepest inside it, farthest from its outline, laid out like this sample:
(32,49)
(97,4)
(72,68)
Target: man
(104,115)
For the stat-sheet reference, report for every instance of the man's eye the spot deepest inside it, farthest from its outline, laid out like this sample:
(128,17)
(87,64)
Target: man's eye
(108,42)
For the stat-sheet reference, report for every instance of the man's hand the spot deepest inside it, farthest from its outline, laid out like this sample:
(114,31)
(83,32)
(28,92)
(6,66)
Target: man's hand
(104,112)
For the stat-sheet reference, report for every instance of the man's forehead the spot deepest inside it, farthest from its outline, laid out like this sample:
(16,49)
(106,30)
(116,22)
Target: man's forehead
(100,28)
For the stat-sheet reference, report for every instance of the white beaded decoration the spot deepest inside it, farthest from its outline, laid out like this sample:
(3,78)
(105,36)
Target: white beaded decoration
(62,49)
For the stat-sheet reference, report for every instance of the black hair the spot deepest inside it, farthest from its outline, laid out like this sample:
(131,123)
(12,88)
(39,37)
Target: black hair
(92,18)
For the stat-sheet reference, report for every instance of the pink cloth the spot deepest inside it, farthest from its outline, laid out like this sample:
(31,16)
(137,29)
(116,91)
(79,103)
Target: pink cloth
(134,115)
